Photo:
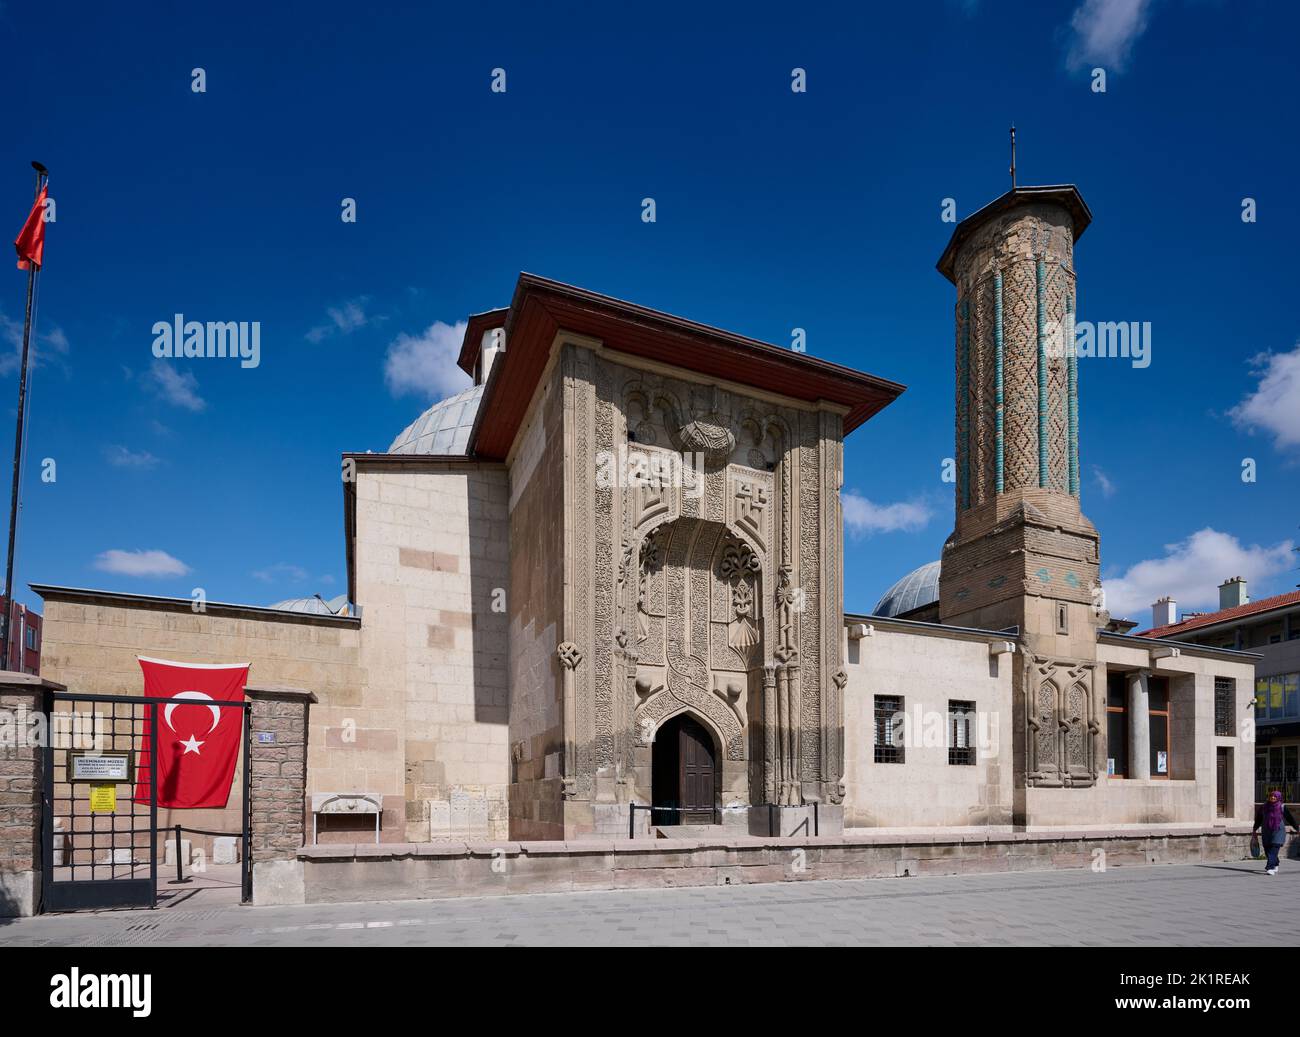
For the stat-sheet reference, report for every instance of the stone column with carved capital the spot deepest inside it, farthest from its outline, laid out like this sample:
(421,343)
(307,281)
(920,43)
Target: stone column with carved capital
(835,740)
(569,657)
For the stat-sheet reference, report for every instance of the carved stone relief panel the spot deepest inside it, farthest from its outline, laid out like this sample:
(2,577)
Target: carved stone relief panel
(749,506)
(1080,729)
(603,577)
(736,608)
(1062,727)
(692,571)
(809,620)
(581,452)
(1045,764)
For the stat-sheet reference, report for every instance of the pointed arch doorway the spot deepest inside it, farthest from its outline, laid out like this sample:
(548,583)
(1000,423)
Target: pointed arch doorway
(685,777)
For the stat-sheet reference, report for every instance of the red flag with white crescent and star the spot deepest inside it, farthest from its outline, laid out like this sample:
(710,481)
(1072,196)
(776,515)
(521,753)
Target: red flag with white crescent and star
(198,742)
(30,242)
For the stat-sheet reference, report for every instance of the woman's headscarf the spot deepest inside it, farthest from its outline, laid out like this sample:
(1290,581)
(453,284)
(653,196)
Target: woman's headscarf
(1273,810)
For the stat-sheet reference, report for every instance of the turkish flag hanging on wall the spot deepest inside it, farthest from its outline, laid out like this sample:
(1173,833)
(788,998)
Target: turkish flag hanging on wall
(197,741)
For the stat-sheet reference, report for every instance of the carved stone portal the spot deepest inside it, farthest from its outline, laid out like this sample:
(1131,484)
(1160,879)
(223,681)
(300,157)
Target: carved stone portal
(688,578)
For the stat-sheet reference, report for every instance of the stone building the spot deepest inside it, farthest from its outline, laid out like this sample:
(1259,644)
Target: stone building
(608,576)
(1072,722)
(1269,627)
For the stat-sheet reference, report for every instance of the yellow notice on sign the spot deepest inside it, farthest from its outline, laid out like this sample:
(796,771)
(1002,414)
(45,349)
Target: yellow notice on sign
(103,799)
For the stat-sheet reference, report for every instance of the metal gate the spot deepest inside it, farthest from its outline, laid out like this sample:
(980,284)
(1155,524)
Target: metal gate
(103,853)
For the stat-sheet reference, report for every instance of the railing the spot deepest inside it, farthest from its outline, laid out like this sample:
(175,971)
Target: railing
(634,807)
(1289,786)
(243,837)
(772,811)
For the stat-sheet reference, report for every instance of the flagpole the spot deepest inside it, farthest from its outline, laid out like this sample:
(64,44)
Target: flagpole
(32,271)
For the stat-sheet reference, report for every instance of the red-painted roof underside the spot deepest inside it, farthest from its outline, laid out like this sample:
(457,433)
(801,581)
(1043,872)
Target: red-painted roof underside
(542,307)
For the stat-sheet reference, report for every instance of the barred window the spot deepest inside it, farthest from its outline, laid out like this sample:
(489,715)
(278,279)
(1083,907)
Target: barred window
(961,733)
(889,728)
(1225,695)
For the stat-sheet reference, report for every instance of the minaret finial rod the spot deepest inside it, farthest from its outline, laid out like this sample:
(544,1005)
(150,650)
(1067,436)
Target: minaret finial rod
(1013,156)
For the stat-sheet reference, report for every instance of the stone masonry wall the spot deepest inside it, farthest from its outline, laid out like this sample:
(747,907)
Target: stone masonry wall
(536,619)
(928,668)
(20,792)
(278,772)
(334,874)
(432,556)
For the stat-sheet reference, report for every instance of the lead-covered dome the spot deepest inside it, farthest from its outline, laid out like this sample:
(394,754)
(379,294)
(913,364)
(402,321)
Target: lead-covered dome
(442,429)
(917,589)
(315,606)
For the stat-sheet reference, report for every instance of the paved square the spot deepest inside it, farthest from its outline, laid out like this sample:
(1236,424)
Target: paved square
(1193,905)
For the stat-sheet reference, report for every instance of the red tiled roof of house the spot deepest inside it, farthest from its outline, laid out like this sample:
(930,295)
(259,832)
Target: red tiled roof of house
(1225,615)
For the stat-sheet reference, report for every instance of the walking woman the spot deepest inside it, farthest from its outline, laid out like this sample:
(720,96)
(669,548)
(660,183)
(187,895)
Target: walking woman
(1272,818)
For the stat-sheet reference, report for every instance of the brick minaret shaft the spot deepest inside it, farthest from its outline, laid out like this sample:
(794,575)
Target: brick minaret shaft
(1021,548)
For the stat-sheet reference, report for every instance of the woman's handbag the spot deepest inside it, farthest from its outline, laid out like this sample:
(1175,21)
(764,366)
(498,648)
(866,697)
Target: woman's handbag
(1254,847)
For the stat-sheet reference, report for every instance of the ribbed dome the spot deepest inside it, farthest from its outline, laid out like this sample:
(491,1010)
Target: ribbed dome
(917,588)
(314,606)
(443,428)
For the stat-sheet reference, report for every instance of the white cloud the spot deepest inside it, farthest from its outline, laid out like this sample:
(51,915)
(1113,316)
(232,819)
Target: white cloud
(1274,406)
(179,388)
(57,340)
(1103,482)
(863,517)
(140,563)
(343,320)
(1103,32)
(426,363)
(1191,571)
(51,344)
(281,570)
(123,457)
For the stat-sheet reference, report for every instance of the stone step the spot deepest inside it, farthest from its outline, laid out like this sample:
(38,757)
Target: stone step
(691,831)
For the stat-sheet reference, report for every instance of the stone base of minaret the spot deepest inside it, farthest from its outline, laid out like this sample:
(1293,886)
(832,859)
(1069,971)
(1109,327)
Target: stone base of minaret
(1028,562)
(1009,561)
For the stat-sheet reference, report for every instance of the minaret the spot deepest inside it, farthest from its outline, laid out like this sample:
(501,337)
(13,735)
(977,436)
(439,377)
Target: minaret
(1017,413)
(1022,554)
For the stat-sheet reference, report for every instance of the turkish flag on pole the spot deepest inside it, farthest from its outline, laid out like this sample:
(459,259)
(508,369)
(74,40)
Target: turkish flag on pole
(30,242)
(197,741)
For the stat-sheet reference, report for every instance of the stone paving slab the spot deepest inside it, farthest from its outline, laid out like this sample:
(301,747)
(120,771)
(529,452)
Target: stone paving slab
(1230,904)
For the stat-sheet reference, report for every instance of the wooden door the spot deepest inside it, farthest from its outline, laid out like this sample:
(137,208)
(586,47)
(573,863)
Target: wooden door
(697,773)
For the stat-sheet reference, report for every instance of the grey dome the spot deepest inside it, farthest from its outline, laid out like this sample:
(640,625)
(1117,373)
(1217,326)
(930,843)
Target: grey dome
(314,606)
(443,428)
(919,587)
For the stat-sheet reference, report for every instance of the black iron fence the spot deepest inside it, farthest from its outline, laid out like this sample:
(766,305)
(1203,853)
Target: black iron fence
(100,848)
(1289,787)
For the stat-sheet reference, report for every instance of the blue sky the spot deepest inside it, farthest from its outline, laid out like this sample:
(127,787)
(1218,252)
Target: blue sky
(775,210)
